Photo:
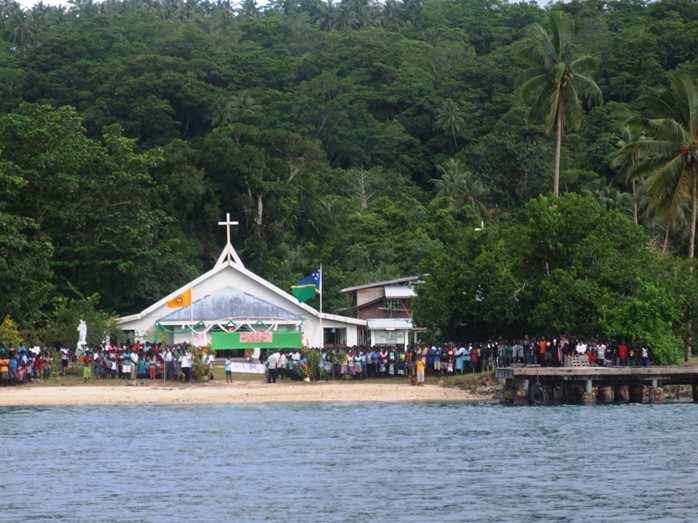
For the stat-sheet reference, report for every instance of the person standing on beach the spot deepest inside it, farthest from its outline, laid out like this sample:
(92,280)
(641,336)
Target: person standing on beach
(228,370)
(169,364)
(420,370)
(271,364)
(64,360)
(185,362)
(134,364)
(86,367)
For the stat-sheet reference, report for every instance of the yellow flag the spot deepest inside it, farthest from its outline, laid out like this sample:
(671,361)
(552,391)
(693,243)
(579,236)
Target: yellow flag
(181,300)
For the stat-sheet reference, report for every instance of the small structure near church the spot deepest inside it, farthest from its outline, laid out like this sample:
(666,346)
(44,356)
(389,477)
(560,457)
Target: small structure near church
(230,307)
(386,306)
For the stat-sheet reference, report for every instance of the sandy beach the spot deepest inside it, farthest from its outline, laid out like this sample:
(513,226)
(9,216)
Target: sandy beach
(221,393)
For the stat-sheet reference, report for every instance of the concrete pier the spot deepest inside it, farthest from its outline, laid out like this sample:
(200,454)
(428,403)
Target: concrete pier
(535,385)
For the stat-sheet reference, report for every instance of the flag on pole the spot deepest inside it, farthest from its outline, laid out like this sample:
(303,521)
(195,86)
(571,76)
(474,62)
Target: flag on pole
(181,300)
(306,288)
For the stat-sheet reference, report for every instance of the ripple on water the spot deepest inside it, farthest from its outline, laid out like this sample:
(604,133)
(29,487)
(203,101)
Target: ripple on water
(339,462)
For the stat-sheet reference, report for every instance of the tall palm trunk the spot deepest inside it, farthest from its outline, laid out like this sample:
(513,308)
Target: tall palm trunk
(558,147)
(666,238)
(694,215)
(635,210)
(691,251)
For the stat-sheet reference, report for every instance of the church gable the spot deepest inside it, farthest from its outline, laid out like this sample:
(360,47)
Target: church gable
(230,304)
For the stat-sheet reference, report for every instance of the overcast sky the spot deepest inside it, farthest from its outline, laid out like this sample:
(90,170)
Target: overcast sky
(29,3)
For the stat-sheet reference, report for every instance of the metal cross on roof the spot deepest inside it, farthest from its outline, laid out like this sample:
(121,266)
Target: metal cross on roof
(227,224)
(229,253)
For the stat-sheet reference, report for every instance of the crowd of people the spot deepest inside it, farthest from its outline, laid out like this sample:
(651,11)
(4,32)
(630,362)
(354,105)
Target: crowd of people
(165,362)
(448,359)
(23,365)
(106,362)
(144,361)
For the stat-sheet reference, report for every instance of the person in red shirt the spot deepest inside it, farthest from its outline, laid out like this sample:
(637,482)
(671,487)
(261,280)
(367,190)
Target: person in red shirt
(591,355)
(622,353)
(542,347)
(39,366)
(474,358)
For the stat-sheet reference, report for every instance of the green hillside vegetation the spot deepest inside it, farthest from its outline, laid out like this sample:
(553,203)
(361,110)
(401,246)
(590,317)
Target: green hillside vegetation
(379,139)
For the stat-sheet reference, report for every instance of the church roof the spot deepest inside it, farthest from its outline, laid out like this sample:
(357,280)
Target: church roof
(407,279)
(230,304)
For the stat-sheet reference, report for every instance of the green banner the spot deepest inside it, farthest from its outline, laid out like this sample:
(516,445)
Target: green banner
(279,340)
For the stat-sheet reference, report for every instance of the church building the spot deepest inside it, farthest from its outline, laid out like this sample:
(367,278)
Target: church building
(230,307)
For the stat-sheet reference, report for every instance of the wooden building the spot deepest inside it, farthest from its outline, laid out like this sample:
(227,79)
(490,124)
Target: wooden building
(386,306)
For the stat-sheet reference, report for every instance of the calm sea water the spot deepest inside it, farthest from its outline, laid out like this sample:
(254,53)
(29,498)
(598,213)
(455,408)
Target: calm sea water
(381,462)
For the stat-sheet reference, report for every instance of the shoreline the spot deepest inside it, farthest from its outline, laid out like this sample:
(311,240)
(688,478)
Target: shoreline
(235,393)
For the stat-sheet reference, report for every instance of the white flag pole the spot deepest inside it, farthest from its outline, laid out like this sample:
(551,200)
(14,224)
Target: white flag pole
(322,329)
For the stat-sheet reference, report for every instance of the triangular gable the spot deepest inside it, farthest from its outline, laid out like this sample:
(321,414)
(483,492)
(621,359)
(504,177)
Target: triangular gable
(230,304)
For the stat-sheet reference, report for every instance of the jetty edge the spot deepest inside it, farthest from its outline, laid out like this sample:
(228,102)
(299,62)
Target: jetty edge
(534,385)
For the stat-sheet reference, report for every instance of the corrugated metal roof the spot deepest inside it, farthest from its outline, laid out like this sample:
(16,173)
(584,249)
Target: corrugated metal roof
(230,304)
(399,291)
(381,283)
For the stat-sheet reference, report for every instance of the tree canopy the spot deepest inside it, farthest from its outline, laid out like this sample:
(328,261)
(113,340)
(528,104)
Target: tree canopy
(365,136)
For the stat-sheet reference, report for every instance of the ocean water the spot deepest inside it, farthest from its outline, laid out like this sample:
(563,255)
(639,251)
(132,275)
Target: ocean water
(350,462)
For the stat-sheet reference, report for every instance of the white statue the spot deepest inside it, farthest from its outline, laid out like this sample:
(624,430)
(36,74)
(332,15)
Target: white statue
(82,337)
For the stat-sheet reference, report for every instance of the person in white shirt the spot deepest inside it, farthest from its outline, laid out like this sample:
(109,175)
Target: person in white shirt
(282,366)
(209,360)
(601,354)
(185,362)
(271,365)
(64,360)
(169,364)
(134,366)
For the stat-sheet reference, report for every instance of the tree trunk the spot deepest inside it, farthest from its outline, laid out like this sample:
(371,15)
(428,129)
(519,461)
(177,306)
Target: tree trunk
(635,213)
(258,220)
(666,238)
(363,195)
(558,147)
(694,213)
(691,252)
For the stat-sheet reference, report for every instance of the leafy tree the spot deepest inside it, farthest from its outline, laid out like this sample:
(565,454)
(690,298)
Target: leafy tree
(9,333)
(574,267)
(61,326)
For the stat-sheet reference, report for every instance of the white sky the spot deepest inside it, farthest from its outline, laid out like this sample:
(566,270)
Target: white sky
(29,3)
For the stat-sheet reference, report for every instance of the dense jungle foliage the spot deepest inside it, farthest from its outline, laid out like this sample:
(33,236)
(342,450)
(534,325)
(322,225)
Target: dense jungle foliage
(379,139)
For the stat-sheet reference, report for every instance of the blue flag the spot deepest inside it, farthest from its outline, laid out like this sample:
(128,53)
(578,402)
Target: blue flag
(306,288)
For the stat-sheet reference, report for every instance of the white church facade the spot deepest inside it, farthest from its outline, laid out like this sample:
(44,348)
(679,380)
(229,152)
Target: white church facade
(230,307)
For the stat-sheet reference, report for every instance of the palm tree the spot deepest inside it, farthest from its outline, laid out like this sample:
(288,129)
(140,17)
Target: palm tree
(22,35)
(665,205)
(672,152)
(450,120)
(626,159)
(461,186)
(557,84)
